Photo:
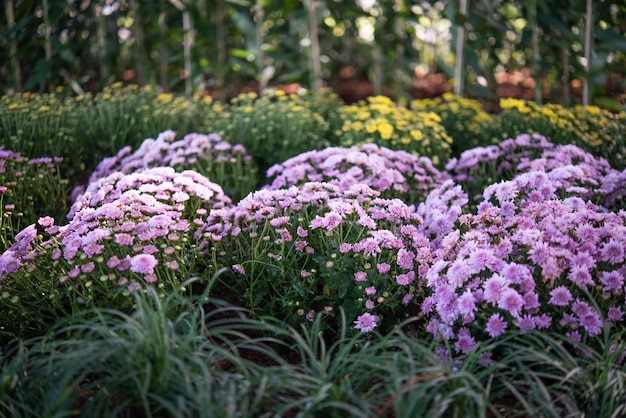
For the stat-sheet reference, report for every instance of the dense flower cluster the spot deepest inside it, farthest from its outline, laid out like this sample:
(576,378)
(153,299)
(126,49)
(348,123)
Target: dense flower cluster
(314,248)
(580,172)
(381,121)
(528,260)
(124,231)
(463,118)
(27,188)
(594,129)
(396,174)
(226,164)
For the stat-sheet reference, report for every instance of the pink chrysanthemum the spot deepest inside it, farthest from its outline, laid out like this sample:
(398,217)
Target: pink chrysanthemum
(366,322)
(143,263)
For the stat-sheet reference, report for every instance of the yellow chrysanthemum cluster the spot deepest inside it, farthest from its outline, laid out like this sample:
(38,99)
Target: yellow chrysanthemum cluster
(461,117)
(597,130)
(381,121)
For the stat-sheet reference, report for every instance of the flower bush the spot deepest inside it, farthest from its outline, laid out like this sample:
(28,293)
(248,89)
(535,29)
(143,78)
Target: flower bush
(273,128)
(595,130)
(297,252)
(310,249)
(462,118)
(29,188)
(381,121)
(225,164)
(395,174)
(528,259)
(125,231)
(582,173)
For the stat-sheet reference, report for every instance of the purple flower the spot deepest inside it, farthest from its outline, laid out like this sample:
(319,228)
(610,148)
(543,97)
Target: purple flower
(612,252)
(369,304)
(366,322)
(494,287)
(143,263)
(383,268)
(73,273)
(560,296)
(88,267)
(370,290)
(495,325)
(613,281)
(172,265)
(238,268)
(406,278)
(360,276)
(46,221)
(405,259)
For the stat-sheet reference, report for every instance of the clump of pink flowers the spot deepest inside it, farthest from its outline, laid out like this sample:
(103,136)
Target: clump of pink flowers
(580,172)
(226,164)
(28,187)
(314,248)
(396,174)
(125,231)
(528,259)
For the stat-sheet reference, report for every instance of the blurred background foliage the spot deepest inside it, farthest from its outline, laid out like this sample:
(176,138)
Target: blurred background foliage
(224,47)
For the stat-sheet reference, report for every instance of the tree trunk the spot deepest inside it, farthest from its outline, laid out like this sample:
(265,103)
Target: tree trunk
(15,61)
(588,26)
(164,51)
(459,79)
(47,34)
(221,49)
(315,47)
(534,27)
(138,34)
(258,24)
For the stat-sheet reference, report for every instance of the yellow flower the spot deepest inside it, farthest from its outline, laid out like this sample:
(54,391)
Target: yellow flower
(44,108)
(13,106)
(371,127)
(106,96)
(165,97)
(417,135)
(363,114)
(386,130)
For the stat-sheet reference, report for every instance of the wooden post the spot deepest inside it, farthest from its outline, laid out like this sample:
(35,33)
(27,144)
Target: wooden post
(588,26)
(534,27)
(315,47)
(15,60)
(47,34)
(258,25)
(459,80)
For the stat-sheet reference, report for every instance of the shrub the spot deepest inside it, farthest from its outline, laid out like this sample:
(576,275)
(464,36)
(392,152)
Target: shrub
(395,174)
(380,121)
(582,173)
(125,231)
(528,260)
(595,130)
(225,164)
(462,118)
(311,249)
(29,188)
(273,129)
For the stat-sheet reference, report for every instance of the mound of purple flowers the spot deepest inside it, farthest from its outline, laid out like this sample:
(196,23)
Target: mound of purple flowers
(124,231)
(582,173)
(209,155)
(528,259)
(396,174)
